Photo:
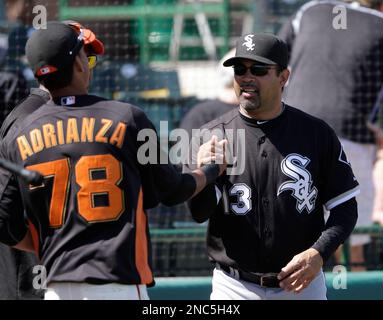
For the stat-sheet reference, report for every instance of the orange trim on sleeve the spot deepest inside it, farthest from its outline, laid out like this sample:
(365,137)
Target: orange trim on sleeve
(35,237)
(141,244)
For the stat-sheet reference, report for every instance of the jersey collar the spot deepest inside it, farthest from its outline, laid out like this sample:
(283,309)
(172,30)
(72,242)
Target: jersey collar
(263,123)
(75,101)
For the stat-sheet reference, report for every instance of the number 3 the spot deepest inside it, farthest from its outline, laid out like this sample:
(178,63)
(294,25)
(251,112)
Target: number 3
(89,188)
(243,204)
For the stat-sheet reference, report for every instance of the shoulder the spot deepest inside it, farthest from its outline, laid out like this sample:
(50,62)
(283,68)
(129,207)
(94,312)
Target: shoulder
(32,102)
(116,106)
(299,118)
(322,7)
(126,112)
(222,120)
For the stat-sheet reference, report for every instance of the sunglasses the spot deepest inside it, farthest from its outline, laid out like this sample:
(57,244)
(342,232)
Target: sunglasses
(255,70)
(92,61)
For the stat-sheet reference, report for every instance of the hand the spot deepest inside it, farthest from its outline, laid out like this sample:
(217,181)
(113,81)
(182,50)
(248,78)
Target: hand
(212,151)
(378,133)
(300,271)
(378,218)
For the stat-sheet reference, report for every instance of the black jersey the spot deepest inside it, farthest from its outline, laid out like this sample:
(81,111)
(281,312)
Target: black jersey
(271,210)
(336,74)
(88,217)
(16,266)
(35,100)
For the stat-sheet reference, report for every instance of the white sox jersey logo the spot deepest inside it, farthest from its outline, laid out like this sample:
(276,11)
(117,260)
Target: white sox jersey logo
(294,166)
(249,42)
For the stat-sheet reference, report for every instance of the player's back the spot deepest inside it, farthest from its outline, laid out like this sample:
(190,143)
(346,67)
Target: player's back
(87,216)
(336,67)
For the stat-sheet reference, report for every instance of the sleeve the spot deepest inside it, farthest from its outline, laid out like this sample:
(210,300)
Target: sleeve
(340,184)
(338,228)
(162,181)
(12,223)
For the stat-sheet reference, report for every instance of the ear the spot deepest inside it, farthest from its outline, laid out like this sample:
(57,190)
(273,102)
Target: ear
(284,76)
(78,65)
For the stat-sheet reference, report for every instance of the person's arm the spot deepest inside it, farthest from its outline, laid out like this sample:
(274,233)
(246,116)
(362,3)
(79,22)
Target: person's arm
(161,180)
(378,182)
(210,165)
(204,203)
(178,188)
(304,267)
(339,188)
(13,229)
(338,228)
(378,174)
(26,244)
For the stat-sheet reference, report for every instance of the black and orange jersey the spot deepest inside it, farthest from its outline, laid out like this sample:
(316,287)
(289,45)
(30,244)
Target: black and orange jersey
(88,217)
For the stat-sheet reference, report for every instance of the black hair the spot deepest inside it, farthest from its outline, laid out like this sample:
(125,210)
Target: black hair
(57,80)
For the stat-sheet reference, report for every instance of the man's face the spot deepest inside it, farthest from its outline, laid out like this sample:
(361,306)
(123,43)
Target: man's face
(256,92)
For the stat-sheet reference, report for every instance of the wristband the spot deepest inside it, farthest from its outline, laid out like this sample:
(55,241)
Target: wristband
(211,172)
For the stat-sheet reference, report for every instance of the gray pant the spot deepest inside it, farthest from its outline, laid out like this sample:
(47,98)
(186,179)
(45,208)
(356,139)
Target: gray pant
(226,287)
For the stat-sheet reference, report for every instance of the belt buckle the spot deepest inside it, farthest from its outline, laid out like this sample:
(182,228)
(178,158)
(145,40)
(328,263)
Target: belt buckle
(263,280)
(262,277)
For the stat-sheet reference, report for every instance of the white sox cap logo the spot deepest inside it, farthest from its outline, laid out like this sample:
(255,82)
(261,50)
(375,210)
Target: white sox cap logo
(249,42)
(293,166)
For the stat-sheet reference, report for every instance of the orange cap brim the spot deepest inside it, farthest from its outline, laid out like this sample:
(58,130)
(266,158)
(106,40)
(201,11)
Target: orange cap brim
(89,37)
(96,44)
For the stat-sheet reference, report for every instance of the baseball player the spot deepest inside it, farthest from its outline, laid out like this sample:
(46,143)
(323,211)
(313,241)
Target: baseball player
(266,234)
(87,219)
(17,264)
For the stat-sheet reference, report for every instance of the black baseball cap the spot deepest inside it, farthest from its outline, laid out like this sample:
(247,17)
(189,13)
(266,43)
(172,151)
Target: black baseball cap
(261,47)
(55,48)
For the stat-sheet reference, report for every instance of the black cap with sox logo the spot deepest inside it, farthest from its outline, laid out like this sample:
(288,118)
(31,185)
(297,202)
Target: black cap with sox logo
(265,48)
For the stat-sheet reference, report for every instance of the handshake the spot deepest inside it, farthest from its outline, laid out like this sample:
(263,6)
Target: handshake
(213,152)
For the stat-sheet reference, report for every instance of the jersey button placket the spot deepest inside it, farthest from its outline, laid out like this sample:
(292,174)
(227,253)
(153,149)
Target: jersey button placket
(265,202)
(267,232)
(264,154)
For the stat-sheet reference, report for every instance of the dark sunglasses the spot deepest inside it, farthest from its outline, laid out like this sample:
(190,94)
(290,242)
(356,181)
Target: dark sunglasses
(255,70)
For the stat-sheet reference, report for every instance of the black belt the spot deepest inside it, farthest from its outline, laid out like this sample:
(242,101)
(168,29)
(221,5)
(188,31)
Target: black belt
(267,280)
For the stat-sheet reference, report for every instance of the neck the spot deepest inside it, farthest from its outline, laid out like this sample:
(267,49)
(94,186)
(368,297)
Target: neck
(261,114)
(68,91)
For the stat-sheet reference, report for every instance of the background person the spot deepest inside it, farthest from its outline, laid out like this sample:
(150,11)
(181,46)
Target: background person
(336,76)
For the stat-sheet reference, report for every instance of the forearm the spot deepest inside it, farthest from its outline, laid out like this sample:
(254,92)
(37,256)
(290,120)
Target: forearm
(191,184)
(378,182)
(203,204)
(338,228)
